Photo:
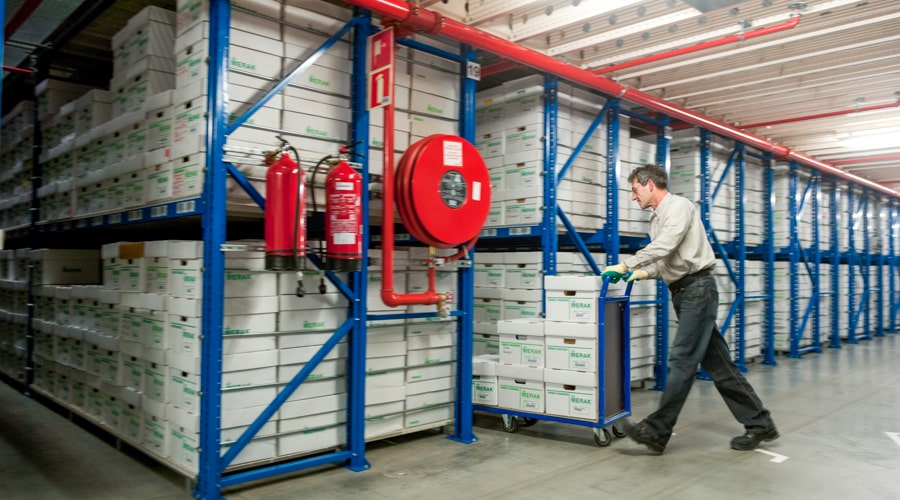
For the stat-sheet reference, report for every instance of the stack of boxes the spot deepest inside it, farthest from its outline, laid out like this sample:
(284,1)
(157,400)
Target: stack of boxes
(13,312)
(685,177)
(550,366)
(509,135)
(507,287)
(15,165)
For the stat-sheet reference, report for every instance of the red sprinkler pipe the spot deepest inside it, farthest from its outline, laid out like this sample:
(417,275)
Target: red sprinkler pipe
(419,19)
(16,21)
(13,69)
(875,107)
(791,23)
(388,295)
(866,160)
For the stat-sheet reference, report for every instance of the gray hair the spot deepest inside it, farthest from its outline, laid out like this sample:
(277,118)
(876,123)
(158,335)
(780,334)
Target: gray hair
(650,171)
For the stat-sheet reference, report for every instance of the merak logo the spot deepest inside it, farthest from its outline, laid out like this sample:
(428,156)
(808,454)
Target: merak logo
(240,64)
(313,131)
(318,81)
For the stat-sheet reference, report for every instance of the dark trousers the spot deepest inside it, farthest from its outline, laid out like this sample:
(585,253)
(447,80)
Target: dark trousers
(698,341)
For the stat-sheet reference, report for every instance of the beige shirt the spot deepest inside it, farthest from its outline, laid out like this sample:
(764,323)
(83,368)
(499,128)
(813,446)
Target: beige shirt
(678,244)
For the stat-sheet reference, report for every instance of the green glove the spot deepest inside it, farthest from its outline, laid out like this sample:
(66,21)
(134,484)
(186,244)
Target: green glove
(613,276)
(615,273)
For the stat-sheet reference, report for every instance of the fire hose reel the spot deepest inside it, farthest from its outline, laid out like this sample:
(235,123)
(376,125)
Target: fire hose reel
(443,191)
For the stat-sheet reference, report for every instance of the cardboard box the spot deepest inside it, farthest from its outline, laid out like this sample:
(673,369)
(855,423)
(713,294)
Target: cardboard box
(571,394)
(571,346)
(573,298)
(485,390)
(429,416)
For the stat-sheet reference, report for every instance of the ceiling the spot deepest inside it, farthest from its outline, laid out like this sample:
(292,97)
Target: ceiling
(842,58)
(65,39)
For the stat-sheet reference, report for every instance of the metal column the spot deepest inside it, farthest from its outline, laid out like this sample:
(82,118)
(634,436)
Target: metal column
(356,362)
(462,431)
(769,332)
(660,368)
(835,258)
(210,472)
(611,236)
(740,298)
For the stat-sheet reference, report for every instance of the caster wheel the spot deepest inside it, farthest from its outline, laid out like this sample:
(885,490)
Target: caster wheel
(510,423)
(530,421)
(602,437)
(618,431)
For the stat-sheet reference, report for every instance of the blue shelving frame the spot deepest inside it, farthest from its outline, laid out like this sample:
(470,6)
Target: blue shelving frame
(213,464)
(210,207)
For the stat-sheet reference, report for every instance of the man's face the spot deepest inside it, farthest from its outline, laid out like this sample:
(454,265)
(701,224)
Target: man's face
(641,194)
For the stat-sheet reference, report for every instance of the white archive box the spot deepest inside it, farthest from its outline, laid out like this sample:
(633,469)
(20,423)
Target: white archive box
(522,342)
(573,298)
(488,307)
(571,346)
(485,389)
(524,304)
(521,388)
(571,394)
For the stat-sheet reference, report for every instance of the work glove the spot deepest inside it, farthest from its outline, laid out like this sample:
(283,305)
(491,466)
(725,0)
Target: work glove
(616,272)
(638,275)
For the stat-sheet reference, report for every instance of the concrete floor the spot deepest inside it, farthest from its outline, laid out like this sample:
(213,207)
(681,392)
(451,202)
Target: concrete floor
(836,411)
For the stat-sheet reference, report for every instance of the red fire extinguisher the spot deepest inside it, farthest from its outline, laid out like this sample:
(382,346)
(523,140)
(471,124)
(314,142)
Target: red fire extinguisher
(343,217)
(285,215)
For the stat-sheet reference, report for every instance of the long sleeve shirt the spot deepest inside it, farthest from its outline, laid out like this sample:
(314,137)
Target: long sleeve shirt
(678,244)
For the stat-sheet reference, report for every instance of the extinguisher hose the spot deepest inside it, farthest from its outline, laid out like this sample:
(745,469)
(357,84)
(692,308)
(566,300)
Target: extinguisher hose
(312,191)
(302,262)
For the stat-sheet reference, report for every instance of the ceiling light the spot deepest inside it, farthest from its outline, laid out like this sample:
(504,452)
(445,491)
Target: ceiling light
(872,139)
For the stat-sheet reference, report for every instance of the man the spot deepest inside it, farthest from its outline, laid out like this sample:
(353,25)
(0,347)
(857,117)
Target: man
(680,254)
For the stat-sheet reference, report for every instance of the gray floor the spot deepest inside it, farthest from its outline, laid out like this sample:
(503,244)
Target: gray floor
(837,412)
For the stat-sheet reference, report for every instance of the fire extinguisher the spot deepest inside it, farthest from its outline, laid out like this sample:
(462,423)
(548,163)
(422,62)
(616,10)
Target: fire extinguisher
(343,217)
(285,215)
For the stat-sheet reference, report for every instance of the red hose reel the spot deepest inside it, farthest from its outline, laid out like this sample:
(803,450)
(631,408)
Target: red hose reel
(443,191)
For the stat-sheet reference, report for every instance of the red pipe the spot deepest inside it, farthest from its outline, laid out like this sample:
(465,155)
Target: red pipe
(24,12)
(866,160)
(17,70)
(791,23)
(823,115)
(388,295)
(419,19)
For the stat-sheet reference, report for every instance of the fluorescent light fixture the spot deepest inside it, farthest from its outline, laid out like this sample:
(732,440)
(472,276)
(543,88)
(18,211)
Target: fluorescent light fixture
(872,139)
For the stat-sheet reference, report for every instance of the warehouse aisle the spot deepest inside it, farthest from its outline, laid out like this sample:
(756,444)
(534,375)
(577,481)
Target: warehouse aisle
(836,413)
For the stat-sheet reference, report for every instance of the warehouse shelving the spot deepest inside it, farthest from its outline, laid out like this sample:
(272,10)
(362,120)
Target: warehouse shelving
(211,209)
(214,471)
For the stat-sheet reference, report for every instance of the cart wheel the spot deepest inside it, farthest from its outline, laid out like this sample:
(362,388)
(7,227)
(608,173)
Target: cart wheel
(618,431)
(602,437)
(530,421)
(510,423)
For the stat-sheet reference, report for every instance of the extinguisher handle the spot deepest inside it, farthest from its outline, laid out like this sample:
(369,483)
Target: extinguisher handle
(301,291)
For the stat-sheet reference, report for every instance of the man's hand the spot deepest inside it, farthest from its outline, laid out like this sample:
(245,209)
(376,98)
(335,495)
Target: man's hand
(638,275)
(616,272)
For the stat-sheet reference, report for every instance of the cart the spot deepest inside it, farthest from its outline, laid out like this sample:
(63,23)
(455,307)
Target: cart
(613,370)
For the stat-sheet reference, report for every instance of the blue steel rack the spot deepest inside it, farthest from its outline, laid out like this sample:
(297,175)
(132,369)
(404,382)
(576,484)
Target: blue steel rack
(213,464)
(809,257)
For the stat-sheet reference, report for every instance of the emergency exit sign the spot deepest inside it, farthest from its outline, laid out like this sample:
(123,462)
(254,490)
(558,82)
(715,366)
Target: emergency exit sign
(380,84)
